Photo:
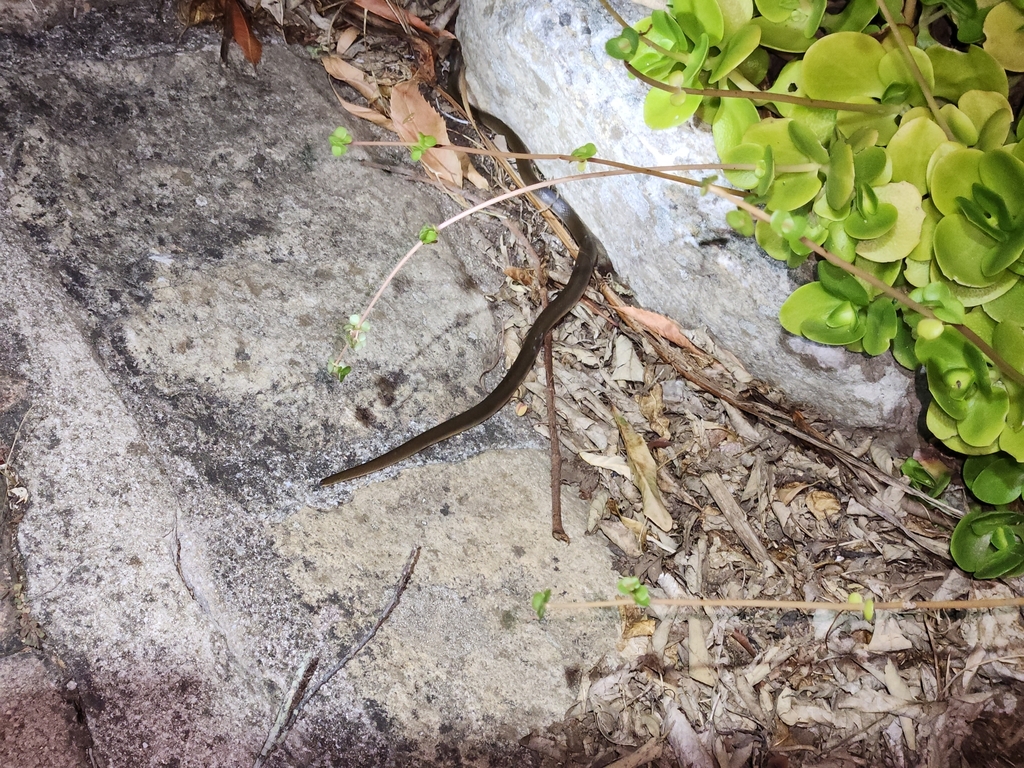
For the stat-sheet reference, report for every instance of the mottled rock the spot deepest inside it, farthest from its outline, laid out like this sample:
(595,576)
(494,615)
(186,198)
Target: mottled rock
(180,251)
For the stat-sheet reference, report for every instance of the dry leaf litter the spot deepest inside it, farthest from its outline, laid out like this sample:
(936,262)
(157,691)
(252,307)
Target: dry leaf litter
(706,484)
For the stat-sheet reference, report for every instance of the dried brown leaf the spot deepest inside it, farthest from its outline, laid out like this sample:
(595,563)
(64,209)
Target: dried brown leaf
(653,409)
(644,474)
(365,113)
(346,38)
(238,23)
(789,491)
(340,69)
(382,9)
(412,115)
(663,326)
(822,504)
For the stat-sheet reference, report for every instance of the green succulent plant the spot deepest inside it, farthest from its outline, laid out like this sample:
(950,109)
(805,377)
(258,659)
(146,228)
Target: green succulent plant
(901,159)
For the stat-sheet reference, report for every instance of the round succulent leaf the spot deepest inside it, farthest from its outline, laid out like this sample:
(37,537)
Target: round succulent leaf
(854,17)
(985,419)
(1004,174)
(776,11)
(664,110)
(881,326)
(1015,416)
(766,170)
(774,244)
(793,190)
(842,284)
(666,27)
(923,251)
(897,243)
(736,50)
(774,132)
(993,134)
(911,148)
(981,106)
(833,332)
(958,72)
(939,297)
(940,423)
(950,351)
(951,401)
(957,445)
(807,142)
(893,69)
(995,479)
(1012,442)
(960,124)
(1004,564)
(814,17)
(809,302)
(975,553)
(850,123)
(787,36)
(839,180)
(953,175)
(960,250)
(755,66)
(903,348)
(1004,254)
(979,322)
(869,226)
(974,297)
(735,15)
(1004,36)
(917,273)
(823,210)
(697,16)
(840,243)
(1009,306)
(843,67)
(1008,341)
(887,272)
(744,154)
(870,165)
(732,119)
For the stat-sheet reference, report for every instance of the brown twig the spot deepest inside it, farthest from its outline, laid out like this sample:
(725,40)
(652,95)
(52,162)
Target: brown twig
(301,691)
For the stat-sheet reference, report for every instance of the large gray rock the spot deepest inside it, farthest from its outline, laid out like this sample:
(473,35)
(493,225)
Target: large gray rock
(179,251)
(542,68)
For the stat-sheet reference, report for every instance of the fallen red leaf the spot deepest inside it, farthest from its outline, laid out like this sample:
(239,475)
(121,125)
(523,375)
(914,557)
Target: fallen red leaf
(241,30)
(383,10)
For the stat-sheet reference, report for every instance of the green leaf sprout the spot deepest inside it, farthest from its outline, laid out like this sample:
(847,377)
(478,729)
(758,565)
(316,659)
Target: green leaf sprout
(340,140)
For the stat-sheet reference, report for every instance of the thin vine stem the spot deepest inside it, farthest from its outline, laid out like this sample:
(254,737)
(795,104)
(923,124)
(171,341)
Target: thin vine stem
(915,70)
(803,605)
(733,196)
(880,109)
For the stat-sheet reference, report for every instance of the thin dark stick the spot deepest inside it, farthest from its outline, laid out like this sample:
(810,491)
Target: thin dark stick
(302,692)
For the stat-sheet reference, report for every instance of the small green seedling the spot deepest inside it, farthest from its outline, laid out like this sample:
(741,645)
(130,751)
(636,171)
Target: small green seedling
(339,141)
(356,330)
(631,586)
(428,234)
(540,602)
(423,143)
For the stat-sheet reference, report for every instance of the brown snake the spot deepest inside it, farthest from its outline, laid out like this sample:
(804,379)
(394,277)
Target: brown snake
(559,307)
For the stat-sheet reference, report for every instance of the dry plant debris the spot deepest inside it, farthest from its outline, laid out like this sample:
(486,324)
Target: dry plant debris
(723,491)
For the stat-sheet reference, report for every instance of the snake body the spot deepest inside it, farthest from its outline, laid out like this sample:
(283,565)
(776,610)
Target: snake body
(559,307)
